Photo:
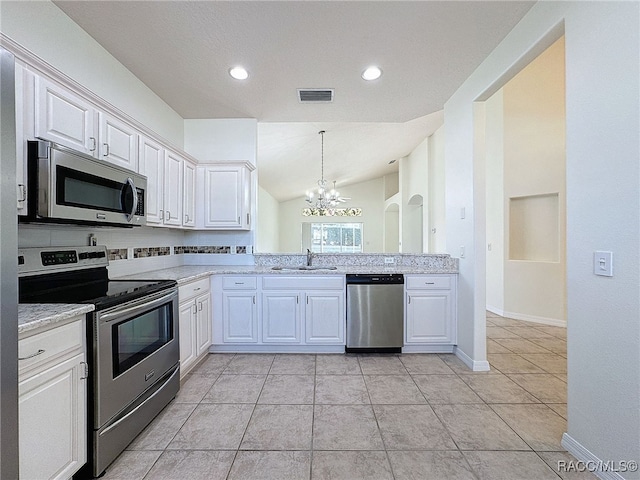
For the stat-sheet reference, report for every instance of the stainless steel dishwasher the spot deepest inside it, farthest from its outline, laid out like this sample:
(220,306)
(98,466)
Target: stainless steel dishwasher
(375,313)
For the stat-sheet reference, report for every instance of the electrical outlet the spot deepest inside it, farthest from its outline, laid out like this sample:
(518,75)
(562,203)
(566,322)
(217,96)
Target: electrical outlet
(388,260)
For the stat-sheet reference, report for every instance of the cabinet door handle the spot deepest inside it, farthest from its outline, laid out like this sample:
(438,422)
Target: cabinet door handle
(85,370)
(247,219)
(23,192)
(430,283)
(168,215)
(39,352)
(197,289)
(194,309)
(106,150)
(199,306)
(93,144)
(238,220)
(409,300)
(161,214)
(254,299)
(186,219)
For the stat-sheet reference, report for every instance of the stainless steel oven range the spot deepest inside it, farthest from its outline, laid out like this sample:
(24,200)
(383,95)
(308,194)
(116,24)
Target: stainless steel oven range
(132,340)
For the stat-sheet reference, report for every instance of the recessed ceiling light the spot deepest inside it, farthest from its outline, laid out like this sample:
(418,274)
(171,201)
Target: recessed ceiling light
(372,73)
(239,73)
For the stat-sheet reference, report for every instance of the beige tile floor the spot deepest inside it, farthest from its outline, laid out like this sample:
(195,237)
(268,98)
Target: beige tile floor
(413,416)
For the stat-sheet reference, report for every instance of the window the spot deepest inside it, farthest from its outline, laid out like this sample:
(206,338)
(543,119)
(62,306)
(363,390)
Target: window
(336,237)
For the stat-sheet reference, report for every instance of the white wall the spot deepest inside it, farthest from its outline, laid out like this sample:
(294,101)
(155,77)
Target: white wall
(494,138)
(366,195)
(534,165)
(525,139)
(226,139)
(267,235)
(414,193)
(603,180)
(437,206)
(45,30)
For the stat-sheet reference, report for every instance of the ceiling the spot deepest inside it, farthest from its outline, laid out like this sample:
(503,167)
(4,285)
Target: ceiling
(183,50)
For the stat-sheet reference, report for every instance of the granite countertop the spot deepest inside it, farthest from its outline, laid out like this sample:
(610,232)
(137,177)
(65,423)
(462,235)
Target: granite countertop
(38,315)
(186,274)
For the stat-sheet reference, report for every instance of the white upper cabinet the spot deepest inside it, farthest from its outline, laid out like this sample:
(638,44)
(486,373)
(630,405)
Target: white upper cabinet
(118,142)
(189,195)
(225,196)
(64,117)
(151,165)
(172,189)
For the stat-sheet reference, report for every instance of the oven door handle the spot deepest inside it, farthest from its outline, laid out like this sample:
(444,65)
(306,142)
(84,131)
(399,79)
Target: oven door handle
(146,400)
(119,312)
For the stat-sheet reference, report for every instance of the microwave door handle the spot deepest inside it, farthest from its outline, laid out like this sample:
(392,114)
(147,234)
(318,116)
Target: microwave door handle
(134,193)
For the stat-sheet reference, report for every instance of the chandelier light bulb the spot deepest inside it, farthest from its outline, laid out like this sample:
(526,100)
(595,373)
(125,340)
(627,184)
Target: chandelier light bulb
(326,198)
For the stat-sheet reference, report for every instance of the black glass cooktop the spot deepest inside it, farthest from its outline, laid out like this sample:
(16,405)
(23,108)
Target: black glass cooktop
(88,286)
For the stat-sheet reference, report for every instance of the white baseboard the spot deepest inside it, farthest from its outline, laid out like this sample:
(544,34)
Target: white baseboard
(590,462)
(556,322)
(475,365)
(428,349)
(227,348)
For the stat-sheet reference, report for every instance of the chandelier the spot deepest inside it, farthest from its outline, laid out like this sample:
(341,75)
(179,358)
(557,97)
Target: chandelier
(323,198)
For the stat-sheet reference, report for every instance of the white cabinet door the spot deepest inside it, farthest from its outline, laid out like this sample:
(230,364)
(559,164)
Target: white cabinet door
(203,324)
(187,333)
(151,165)
(324,318)
(281,317)
(189,195)
(63,117)
(222,197)
(429,317)
(118,142)
(25,105)
(172,189)
(239,317)
(226,197)
(52,419)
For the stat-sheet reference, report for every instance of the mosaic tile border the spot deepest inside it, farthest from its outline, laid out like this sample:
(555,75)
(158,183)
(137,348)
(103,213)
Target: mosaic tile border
(143,252)
(118,253)
(211,249)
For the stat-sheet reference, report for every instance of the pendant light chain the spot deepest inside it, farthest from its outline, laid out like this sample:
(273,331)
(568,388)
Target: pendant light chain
(325,198)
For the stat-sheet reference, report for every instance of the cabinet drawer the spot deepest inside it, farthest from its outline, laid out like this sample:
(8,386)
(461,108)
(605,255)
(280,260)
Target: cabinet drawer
(303,282)
(59,341)
(427,282)
(192,289)
(239,283)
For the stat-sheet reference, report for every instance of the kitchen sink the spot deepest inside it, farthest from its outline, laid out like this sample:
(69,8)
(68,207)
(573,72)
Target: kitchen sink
(304,268)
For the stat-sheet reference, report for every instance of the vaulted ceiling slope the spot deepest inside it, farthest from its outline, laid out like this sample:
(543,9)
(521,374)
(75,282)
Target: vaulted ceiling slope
(183,50)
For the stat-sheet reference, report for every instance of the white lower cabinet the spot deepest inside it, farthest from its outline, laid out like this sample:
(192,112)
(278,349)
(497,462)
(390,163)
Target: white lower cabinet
(281,317)
(52,397)
(430,310)
(194,322)
(324,317)
(282,312)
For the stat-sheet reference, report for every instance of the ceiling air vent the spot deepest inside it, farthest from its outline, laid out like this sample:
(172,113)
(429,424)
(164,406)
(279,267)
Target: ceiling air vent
(315,95)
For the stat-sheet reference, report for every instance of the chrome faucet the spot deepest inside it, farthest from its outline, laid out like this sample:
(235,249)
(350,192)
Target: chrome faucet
(310,256)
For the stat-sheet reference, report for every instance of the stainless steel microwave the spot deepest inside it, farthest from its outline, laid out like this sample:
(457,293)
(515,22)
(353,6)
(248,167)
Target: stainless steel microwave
(65,186)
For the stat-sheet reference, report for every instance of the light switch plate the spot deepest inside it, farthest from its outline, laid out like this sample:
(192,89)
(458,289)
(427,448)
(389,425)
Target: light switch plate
(603,263)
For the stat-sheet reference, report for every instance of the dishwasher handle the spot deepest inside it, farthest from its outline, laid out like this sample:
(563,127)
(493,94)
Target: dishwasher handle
(372,279)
